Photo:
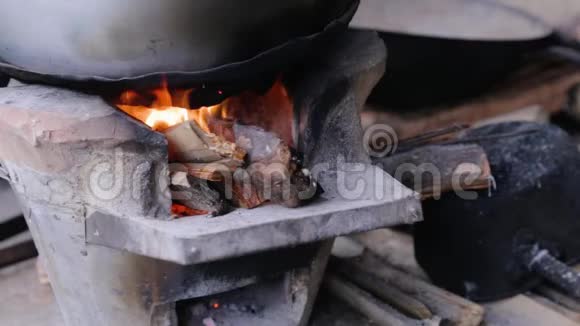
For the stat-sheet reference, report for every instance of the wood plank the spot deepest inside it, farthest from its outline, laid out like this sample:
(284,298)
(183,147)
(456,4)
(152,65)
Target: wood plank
(544,84)
(572,315)
(436,169)
(559,297)
(523,311)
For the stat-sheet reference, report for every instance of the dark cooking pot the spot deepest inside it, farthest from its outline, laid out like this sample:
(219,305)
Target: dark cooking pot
(444,51)
(110,40)
(509,238)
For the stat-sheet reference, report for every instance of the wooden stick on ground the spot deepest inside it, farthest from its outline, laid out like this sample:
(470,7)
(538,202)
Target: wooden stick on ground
(363,302)
(384,291)
(572,315)
(523,311)
(394,248)
(448,306)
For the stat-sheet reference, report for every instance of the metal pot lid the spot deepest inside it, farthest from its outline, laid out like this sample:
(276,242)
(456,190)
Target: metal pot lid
(478,20)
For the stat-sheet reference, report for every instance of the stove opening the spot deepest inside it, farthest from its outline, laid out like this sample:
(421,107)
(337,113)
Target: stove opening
(269,302)
(238,153)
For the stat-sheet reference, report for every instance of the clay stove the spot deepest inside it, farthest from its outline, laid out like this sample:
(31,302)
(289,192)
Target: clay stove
(92,183)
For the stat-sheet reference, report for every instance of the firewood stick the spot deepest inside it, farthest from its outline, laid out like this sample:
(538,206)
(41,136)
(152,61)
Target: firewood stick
(546,87)
(364,303)
(244,192)
(185,145)
(522,310)
(196,194)
(448,306)
(215,171)
(384,291)
(431,137)
(395,248)
(436,169)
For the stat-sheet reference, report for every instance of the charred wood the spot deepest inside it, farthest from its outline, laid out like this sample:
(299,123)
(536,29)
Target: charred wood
(196,194)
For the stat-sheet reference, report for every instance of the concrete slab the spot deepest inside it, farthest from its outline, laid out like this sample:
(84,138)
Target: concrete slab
(195,240)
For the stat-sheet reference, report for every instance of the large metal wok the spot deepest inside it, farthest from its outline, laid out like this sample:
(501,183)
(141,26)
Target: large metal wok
(135,40)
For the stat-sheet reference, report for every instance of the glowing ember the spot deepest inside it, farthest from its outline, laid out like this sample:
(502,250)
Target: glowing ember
(161,119)
(182,211)
(214,304)
(272,111)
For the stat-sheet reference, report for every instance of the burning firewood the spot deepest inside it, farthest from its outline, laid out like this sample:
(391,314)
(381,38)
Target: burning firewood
(188,143)
(217,171)
(236,146)
(244,193)
(178,210)
(196,194)
(274,173)
(261,146)
(186,146)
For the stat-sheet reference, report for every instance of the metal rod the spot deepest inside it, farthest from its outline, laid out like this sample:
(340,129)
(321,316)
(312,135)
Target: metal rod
(549,267)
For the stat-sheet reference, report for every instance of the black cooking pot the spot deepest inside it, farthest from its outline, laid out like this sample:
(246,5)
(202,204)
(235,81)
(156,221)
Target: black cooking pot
(108,41)
(425,72)
(442,52)
(507,240)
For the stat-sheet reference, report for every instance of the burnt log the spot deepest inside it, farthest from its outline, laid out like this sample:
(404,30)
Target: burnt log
(196,194)
(244,193)
(436,169)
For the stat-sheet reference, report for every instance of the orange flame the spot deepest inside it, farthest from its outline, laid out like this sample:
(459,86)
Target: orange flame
(272,111)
